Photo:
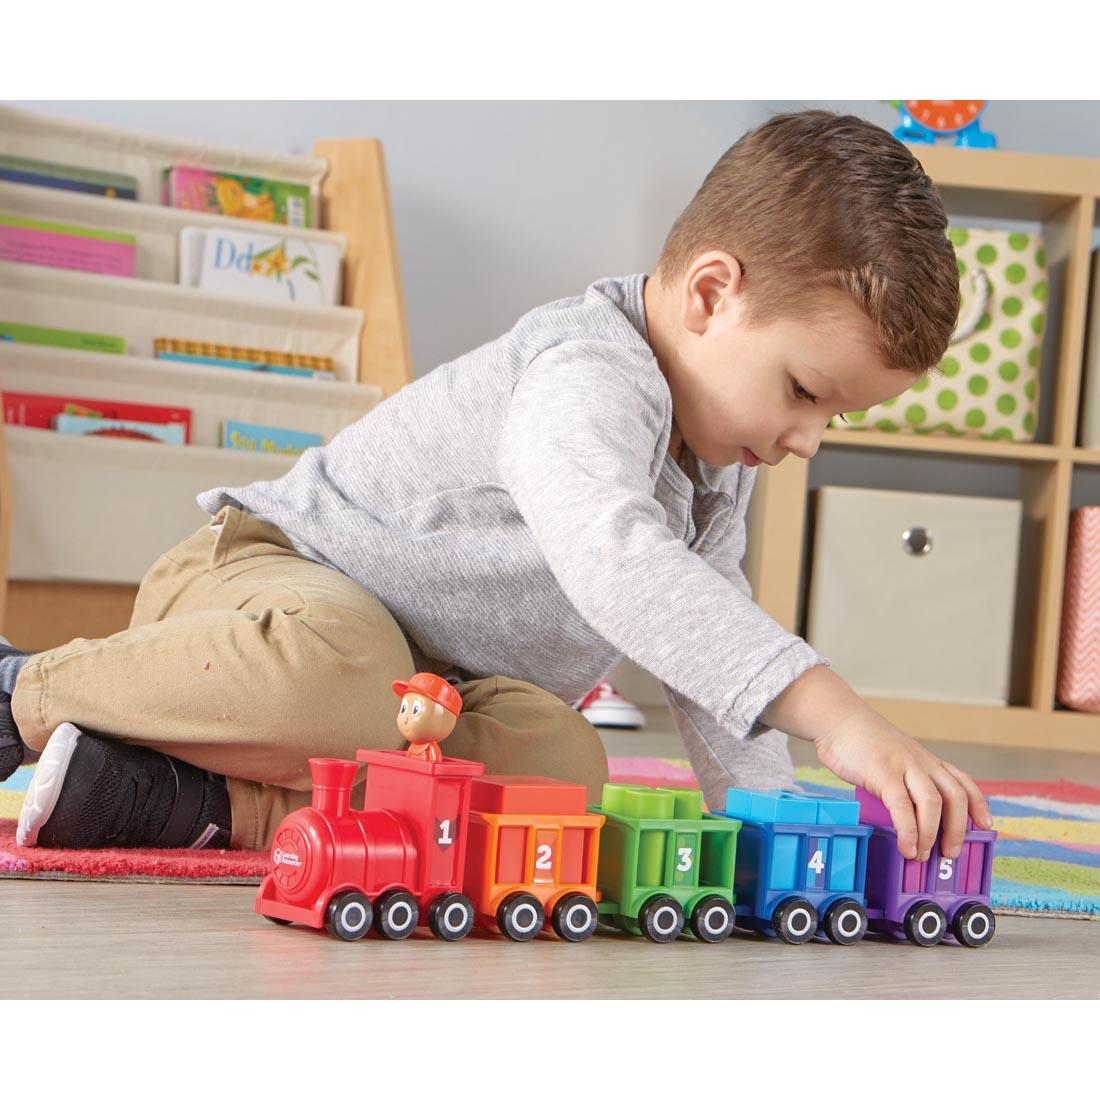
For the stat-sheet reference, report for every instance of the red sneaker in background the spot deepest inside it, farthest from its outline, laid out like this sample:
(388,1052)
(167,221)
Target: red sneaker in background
(604,706)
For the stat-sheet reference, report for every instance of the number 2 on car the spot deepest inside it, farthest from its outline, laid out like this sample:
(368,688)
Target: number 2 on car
(546,851)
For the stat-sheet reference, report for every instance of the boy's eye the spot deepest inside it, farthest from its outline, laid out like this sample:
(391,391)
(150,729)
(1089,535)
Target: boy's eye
(404,707)
(416,709)
(802,392)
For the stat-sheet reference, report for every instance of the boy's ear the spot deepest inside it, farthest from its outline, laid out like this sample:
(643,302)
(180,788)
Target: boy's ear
(712,284)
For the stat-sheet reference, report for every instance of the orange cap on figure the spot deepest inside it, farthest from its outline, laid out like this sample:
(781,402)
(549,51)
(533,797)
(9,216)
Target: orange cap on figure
(431,687)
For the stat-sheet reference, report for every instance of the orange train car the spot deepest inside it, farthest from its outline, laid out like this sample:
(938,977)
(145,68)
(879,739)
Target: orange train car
(532,850)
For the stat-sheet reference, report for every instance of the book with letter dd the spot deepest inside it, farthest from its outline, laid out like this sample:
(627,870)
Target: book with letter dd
(260,265)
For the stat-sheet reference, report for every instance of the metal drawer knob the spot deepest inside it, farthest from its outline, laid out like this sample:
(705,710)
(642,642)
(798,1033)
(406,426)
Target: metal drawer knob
(917,540)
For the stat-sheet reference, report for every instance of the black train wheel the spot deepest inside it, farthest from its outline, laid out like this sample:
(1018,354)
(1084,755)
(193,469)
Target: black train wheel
(925,924)
(521,917)
(661,919)
(974,925)
(348,916)
(451,917)
(575,917)
(712,920)
(845,922)
(795,921)
(396,914)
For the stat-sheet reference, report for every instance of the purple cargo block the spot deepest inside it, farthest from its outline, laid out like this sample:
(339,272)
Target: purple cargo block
(924,902)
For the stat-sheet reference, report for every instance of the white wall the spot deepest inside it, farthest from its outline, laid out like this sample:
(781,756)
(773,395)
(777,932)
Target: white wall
(503,206)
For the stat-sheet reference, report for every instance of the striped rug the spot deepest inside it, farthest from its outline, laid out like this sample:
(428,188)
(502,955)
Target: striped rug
(1047,862)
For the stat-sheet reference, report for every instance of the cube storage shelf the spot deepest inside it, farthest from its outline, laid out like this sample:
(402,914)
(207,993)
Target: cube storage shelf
(62,592)
(1061,193)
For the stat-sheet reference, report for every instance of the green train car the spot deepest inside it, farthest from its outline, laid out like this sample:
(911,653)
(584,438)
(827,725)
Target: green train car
(664,863)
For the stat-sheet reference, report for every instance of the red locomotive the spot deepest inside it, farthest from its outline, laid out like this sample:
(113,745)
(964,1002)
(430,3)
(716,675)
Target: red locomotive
(400,857)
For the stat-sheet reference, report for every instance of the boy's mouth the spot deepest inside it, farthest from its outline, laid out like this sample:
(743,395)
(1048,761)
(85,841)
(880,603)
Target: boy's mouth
(750,457)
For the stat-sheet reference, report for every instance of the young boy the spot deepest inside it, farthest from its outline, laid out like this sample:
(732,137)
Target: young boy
(519,519)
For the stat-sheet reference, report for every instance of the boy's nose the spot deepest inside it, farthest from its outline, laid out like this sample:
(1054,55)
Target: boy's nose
(804,444)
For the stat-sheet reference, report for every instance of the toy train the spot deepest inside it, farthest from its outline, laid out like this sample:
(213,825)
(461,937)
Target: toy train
(440,843)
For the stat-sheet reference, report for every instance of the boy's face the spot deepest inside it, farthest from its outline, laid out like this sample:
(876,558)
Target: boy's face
(737,387)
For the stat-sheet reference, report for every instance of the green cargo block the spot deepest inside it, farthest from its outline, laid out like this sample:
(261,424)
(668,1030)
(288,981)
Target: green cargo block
(658,841)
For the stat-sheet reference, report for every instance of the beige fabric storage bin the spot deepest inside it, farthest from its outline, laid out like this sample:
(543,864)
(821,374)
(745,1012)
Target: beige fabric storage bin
(912,595)
(103,510)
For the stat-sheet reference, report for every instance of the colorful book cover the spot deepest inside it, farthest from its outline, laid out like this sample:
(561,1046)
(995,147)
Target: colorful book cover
(57,244)
(201,350)
(262,438)
(67,177)
(281,269)
(251,197)
(62,338)
(67,424)
(37,410)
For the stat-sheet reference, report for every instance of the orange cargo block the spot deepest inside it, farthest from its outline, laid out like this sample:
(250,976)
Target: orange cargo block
(527,794)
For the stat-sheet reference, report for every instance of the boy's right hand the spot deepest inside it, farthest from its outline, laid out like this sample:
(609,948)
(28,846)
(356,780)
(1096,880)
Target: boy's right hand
(861,746)
(916,786)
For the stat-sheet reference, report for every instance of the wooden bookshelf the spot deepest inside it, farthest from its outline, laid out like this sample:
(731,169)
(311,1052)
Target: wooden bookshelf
(1061,193)
(354,201)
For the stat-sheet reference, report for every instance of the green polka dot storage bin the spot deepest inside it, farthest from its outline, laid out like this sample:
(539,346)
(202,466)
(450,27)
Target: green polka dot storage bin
(989,388)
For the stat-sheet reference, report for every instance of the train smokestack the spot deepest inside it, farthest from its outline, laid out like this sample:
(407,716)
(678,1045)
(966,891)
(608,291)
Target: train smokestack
(332,781)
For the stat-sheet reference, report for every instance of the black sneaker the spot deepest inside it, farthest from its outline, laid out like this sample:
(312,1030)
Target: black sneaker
(94,792)
(11,744)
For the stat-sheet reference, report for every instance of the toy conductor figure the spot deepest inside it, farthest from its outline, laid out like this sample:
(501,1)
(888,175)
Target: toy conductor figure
(429,710)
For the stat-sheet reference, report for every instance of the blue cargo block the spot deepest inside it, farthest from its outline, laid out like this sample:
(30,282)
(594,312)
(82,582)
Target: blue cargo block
(789,807)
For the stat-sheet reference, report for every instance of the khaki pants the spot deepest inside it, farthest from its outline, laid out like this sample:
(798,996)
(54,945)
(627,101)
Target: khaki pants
(246,659)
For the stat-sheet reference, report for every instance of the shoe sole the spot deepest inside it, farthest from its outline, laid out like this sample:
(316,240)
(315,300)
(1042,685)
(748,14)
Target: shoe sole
(614,717)
(46,783)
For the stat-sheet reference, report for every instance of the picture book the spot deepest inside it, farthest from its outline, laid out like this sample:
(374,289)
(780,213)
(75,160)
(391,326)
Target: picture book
(261,438)
(66,177)
(253,264)
(241,358)
(67,424)
(251,197)
(57,244)
(37,410)
(61,338)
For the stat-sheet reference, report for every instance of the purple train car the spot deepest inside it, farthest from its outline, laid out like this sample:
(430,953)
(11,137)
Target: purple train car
(924,902)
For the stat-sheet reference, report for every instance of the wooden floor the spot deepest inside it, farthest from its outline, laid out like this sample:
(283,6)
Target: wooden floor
(92,940)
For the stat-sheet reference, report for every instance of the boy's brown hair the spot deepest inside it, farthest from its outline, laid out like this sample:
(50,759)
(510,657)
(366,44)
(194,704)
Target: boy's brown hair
(815,202)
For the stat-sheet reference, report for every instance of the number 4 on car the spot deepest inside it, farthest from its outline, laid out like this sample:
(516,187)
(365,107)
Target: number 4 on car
(801,864)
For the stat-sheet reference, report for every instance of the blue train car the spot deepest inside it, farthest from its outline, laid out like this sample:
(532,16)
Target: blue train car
(801,865)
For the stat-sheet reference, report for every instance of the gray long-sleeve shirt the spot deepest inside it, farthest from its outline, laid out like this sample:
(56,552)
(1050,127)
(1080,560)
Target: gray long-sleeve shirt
(519,514)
